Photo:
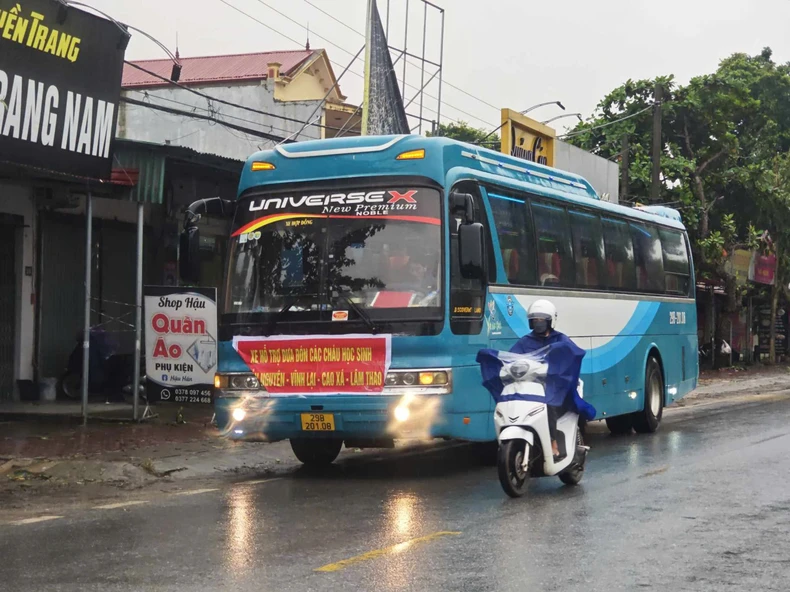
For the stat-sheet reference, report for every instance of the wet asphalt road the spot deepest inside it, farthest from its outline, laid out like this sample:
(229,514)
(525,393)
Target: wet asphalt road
(702,505)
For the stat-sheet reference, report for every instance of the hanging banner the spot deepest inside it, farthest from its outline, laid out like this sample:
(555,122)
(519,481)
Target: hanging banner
(180,343)
(317,364)
(740,266)
(764,269)
(60,82)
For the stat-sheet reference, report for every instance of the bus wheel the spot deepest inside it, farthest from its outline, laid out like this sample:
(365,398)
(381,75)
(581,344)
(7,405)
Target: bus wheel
(647,420)
(620,424)
(316,452)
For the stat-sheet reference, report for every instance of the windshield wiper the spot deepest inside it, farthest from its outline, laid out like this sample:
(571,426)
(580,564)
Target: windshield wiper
(289,304)
(361,312)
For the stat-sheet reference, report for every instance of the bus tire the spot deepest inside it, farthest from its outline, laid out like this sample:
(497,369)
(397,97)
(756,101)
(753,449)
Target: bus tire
(620,424)
(316,452)
(648,420)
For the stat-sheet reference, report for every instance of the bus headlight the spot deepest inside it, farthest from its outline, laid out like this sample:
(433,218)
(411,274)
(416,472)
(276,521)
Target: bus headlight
(402,413)
(418,381)
(236,383)
(239,414)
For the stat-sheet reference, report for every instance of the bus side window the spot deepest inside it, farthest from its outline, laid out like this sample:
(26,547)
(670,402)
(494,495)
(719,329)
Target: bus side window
(619,256)
(555,253)
(676,262)
(588,247)
(648,258)
(516,242)
(467,296)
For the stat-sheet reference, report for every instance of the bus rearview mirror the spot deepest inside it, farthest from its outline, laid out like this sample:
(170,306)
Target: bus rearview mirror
(189,255)
(470,250)
(463,202)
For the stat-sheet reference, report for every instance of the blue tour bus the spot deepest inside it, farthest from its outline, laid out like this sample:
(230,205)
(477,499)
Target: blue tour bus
(365,273)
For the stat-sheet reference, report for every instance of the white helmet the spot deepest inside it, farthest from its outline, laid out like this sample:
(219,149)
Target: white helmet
(543,310)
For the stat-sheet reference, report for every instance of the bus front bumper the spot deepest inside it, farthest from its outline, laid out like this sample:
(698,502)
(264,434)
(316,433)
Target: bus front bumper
(373,418)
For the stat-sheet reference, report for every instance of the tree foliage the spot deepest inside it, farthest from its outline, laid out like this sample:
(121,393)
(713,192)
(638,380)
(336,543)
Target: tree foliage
(724,158)
(464,132)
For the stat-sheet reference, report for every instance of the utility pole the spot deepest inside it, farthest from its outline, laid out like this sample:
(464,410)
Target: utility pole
(655,188)
(624,164)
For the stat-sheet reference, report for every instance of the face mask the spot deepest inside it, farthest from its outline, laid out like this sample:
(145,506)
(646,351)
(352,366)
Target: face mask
(539,325)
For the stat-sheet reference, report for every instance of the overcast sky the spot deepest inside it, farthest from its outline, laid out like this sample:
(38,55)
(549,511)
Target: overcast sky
(508,53)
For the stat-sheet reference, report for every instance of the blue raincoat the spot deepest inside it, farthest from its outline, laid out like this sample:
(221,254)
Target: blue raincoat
(553,361)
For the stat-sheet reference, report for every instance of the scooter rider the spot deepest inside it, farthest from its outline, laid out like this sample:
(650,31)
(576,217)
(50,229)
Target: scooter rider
(542,317)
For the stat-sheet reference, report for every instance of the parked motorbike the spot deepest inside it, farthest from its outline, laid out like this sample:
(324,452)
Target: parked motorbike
(111,373)
(523,434)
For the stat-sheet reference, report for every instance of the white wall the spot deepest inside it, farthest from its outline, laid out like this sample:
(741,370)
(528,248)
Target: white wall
(603,175)
(148,125)
(17,200)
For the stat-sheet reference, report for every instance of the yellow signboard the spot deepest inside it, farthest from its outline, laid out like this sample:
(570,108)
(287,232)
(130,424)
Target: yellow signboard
(740,265)
(526,138)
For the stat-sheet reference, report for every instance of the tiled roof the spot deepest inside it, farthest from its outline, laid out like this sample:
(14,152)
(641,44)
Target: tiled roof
(224,68)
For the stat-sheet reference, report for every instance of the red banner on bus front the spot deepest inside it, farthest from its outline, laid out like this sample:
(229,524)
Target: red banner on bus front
(317,364)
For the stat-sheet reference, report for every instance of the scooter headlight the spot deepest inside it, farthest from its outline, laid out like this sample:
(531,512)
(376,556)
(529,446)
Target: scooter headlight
(518,370)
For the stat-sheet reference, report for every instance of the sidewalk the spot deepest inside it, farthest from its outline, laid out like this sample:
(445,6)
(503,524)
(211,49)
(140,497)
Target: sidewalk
(726,382)
(43,455)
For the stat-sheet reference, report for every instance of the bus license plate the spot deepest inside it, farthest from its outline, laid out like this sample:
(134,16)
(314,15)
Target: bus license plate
(318,422)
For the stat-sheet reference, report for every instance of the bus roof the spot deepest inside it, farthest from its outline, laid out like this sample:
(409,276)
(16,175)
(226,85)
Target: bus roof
(445,161)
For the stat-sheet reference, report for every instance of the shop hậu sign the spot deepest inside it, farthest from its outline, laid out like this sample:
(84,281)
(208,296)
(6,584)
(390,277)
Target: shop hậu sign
(60,82)
(180,343)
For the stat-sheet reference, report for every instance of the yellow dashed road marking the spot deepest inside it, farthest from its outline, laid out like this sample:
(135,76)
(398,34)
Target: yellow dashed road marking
(195,491)
(259,481)
(399,548)
(118,505)
(36,519)
(654,472)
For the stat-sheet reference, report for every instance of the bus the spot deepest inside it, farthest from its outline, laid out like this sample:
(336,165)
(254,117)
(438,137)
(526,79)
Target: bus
(364,274)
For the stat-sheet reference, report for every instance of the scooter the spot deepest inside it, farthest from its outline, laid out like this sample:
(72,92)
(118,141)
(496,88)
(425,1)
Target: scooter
(110,372)
(523,434)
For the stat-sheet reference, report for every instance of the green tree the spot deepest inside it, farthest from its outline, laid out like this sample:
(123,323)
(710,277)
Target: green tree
(463,132)
(775,215)
(720,137)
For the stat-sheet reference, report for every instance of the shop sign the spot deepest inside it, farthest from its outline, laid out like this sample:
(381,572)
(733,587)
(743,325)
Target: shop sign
(180,343)
(526,138)
(740,265)
(60,83)
(764,269)
(764,330)
(317,364)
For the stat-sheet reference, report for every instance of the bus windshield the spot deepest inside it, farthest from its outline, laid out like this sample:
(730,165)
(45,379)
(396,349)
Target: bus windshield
(317,252)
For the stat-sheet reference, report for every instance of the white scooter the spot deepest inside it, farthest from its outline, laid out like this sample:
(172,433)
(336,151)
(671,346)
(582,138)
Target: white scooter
(523,434)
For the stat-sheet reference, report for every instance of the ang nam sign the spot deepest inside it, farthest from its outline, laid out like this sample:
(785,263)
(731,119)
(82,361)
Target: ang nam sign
(526,138)
(60,81)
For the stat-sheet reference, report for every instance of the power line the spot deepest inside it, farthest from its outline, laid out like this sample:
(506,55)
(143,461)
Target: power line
(589,129)
(212,112)
(350,28)
(223,101)
(355,73)
(246,130)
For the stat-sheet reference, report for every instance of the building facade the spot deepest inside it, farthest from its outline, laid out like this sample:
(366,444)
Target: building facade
(288,95)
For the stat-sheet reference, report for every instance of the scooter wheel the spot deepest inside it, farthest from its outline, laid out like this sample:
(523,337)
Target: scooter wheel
(70,386)
(512,475)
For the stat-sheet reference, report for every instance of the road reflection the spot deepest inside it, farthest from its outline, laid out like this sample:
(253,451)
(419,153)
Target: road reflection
(401,510)
(242,518)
